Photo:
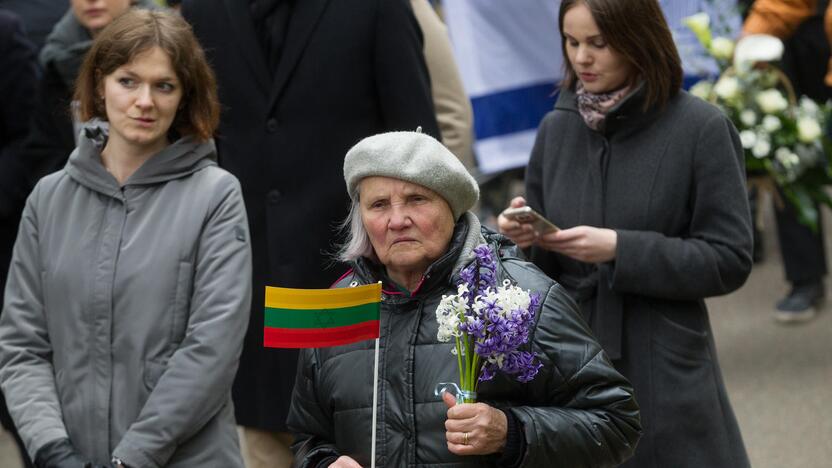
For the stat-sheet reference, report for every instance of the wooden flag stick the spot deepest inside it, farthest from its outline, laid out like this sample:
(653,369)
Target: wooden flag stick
(375,410)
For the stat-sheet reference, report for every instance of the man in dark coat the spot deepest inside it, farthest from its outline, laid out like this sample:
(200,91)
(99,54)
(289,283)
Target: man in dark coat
(17,80)
(300,82)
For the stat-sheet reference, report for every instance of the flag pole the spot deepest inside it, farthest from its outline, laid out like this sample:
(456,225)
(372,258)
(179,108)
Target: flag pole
(375,409)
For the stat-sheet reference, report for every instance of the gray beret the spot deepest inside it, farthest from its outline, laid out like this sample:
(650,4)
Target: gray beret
(413,157)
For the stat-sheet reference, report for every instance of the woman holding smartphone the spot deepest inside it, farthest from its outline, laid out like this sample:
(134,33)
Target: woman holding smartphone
(128,294)
(647,185)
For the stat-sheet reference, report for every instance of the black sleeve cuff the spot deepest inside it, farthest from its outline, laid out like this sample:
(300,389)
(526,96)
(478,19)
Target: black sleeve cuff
(515,448)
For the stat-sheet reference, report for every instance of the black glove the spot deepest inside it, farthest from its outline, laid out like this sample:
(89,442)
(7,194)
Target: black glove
(61,454)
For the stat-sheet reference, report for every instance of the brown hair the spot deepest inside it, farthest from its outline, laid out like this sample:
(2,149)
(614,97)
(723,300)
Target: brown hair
(638,31)
(136,32)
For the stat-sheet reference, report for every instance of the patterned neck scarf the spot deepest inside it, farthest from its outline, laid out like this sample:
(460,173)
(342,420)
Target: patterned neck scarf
(594,107)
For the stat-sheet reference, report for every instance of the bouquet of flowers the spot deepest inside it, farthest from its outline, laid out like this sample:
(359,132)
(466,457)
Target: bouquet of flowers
(489,324)
(782,137)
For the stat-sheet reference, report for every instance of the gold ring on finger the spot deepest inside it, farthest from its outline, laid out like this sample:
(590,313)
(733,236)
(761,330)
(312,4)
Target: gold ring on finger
(464,438)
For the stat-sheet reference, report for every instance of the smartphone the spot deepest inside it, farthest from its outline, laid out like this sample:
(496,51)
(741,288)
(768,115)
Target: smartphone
(525,214)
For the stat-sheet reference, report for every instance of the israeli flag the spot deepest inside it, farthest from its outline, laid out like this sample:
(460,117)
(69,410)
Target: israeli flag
(509,57)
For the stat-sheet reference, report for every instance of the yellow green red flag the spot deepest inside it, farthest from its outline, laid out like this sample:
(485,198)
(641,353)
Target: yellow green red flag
(317,318)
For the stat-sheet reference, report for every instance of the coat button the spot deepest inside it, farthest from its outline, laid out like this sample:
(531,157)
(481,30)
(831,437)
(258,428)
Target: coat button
(274,196)
(271,125)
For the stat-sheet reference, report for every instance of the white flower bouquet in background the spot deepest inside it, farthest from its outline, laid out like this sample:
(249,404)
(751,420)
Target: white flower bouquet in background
(782,136)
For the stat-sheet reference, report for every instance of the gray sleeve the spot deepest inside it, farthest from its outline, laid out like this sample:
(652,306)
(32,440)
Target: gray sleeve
(198,378)
(26,372)
(715,257)
(583,413)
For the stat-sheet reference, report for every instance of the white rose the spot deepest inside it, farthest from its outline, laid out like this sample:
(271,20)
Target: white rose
(771,101)
(722,48)
(761,148)
(748,117)
(727,87)
(748,139)
(786,157)
(702,89)
(808,129)
(700,24)
(771,123)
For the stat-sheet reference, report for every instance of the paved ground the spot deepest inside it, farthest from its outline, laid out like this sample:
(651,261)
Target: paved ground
(779,378)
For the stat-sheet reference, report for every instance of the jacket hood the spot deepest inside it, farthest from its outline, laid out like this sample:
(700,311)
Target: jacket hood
(179,159)
(69,41)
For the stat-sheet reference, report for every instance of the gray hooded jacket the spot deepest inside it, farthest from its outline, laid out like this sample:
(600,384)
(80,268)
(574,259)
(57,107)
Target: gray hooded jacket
(126,307)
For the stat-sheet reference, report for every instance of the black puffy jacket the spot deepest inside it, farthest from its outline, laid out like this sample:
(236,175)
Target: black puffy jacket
(577,412)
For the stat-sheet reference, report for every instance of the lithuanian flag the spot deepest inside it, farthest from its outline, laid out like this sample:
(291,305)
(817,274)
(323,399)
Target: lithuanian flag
(317,318)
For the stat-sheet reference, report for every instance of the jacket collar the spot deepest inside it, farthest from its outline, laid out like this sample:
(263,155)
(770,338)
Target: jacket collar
(629,113)
(179,159)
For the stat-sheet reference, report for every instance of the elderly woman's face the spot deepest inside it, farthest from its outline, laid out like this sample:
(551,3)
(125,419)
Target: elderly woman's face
(409,226)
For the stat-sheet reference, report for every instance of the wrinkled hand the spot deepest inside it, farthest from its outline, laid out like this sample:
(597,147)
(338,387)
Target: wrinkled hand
(487,427)
(583,243)
(345,462)
(522,234)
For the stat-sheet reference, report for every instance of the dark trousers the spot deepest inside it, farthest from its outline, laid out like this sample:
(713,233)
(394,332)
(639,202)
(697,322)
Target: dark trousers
(805,61)
(804,256)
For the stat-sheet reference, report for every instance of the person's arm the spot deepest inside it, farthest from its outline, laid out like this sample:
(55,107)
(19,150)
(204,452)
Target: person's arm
(588,416)
(715,256)
(777,17)
(453,108)
(311,424)
(26,372)
(402,77)
(198,378)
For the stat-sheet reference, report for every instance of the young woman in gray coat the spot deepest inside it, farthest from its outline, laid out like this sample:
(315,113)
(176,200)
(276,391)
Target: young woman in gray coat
(128,294)
(647,185)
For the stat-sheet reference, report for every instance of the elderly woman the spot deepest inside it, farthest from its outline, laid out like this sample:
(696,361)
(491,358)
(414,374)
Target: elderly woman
(410,229)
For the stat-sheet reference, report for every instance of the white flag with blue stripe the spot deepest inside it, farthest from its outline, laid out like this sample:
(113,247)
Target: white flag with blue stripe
(509,57)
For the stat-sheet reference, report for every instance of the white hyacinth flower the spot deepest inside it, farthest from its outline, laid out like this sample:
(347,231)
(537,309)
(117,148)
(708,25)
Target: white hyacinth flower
(772,101)
(748,139)
(771,123)
(808,129)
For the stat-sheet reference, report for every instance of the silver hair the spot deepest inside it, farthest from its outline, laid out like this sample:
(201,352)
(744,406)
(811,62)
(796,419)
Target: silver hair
(357,243)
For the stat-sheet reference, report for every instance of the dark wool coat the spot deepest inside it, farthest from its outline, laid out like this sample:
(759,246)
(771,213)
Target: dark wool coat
(670,182)
(349,69)
(578,412)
